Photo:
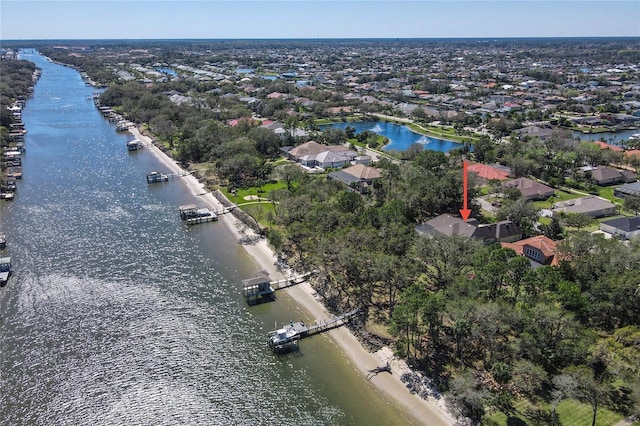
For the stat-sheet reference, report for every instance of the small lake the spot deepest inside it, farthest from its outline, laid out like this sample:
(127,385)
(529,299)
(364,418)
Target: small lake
(167,71)
(608,137)
(401,136)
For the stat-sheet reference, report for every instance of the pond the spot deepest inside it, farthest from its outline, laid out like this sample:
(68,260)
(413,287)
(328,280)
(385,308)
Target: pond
(608,137)
(400,136)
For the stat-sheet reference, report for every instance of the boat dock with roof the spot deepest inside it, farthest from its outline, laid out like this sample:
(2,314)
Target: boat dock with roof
(285,339)
(160,176)
(5,270)
(192,214)
(260,288)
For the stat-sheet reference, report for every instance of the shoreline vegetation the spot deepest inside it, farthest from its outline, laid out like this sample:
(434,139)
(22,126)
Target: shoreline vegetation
(390,385)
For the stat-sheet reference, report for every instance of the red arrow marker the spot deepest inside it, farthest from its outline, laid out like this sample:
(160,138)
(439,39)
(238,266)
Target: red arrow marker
(464,211)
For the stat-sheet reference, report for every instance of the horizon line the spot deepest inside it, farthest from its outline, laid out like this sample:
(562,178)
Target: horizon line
(325,38)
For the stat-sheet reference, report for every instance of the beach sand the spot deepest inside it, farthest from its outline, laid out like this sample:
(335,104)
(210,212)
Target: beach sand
(430,412)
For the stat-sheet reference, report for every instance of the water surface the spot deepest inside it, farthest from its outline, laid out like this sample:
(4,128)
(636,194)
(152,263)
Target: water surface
(400,136)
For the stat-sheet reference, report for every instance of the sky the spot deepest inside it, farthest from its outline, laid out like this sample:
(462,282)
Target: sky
(218,19)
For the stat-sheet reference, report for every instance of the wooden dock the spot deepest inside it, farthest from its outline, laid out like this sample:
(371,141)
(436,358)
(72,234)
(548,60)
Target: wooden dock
(295,331)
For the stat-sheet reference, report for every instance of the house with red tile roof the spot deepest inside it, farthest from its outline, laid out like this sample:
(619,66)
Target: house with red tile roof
(604,145)
(540,250)
(632,153)
(487,172)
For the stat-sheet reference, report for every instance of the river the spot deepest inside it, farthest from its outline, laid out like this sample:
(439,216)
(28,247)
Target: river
(117,313)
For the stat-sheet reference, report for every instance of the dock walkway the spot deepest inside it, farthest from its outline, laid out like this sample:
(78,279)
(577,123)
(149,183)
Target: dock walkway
(286,338)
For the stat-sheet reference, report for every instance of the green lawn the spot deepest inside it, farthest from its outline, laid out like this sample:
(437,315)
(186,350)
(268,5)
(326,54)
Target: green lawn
(262,192)
(607,192)
(570,413)
(441,132)
(560,195)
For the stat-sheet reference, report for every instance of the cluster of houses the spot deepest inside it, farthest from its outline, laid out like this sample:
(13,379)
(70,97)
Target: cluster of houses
(541,250)
(353,169)
(431,79)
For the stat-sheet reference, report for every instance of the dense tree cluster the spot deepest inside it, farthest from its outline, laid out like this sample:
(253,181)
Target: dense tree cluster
(477,318)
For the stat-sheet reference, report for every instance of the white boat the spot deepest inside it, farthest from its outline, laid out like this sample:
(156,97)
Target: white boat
(3,242)
(284,339)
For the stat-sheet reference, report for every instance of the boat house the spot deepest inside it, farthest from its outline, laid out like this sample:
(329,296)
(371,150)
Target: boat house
(5,270)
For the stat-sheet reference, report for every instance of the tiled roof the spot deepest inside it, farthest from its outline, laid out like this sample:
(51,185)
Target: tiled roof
(363,172)
(487,172)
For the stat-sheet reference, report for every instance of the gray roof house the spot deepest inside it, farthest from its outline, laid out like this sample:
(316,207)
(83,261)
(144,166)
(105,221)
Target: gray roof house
(358,176)
(445,224)
(625,227)
(530,189)
(591,206)
(604,175)
(535,131)
(628,189)
(312,154)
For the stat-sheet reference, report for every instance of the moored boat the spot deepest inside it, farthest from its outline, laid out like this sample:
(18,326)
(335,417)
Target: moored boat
(284,339)
(157,176)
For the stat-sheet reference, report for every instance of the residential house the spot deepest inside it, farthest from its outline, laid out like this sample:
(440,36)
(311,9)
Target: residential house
(541,133)
(313,154)
(358,176)
(625,227)
(487,172)
(445,224)
(591,206)
(362,159)
(630,189)
(604,175)
(540,250)
(530,189)
(604,145)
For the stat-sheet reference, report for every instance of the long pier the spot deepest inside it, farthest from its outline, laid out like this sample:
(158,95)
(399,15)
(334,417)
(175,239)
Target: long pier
(286,338)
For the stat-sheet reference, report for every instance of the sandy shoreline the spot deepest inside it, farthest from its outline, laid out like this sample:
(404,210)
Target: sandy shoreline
(431,411)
